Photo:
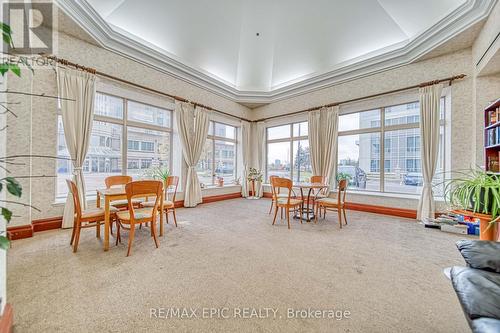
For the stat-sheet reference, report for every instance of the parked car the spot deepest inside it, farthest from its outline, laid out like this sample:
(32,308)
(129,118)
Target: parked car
(413,179)
(357,177)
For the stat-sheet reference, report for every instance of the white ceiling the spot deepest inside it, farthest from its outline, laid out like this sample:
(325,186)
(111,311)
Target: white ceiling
(297,40)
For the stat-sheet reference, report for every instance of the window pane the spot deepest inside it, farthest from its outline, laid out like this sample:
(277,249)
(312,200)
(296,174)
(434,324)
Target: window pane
(402,114)
(359,120)
(403,169)
(104,157)
(204,166)
(148,114)
(147,150)
(359,161)
(109,106)
(300,129)
(225,131)
(225,160)
(302,162)
(279,132)
(278,159)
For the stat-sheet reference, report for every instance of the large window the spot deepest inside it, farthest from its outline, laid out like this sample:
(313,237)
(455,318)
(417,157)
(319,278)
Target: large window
(288,152)
(218,158)
(379,150)
(127,137)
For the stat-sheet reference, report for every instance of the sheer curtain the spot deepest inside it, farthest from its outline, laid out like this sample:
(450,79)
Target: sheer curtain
(429,145)
(192,124)
(76,93)
(246,155)
(259,150)
(323,134)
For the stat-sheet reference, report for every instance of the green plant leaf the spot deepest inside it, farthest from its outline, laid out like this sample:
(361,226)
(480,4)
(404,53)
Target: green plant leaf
(13,187)
(15,69)
(4,243)
(5,28)
(7,214)
(4,68)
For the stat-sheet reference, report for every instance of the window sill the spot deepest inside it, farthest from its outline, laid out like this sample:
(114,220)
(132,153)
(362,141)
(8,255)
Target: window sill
(213,187)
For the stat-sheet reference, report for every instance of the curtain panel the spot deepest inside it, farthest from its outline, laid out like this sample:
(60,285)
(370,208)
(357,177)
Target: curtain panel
(429,145)
(192,124)
(246,155)
(323,135)
(76,91)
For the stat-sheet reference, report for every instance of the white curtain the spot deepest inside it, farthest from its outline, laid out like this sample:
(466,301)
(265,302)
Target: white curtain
(259,151)
(323,134)
(246,155)
(193,129)
(76,93)
(429,145)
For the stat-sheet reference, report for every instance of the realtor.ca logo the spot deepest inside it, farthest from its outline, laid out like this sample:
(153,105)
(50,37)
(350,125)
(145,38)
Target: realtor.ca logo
(32,25)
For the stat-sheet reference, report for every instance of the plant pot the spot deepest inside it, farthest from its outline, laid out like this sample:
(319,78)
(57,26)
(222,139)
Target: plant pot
(485,233)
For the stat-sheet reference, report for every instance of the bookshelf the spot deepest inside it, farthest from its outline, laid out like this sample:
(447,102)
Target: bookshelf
(492,137)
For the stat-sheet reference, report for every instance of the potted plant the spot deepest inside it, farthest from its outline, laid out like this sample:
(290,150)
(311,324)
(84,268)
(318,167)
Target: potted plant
(478,192)
(254,175)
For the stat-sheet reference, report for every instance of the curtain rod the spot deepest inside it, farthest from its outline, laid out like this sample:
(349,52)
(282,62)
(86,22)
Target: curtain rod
(424,84)
(114,78)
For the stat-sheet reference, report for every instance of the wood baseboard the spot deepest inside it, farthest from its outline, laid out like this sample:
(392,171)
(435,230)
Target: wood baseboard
(20,231)
(7,319)
(27,230)
(47,224)
(399,212)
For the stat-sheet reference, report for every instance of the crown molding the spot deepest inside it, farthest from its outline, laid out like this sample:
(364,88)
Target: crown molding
(471,12)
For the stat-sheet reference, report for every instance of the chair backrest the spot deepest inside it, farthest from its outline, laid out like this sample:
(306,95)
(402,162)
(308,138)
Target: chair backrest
(342,188)
(143,188)
(172,181)
(76,197)
(279,183)
(117,180)
(272,187)
(318,179)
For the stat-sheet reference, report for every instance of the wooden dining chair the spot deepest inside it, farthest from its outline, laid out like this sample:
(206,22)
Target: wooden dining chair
(88,218)
(285,203)
(277,195)
(120,181)
(168,205)
(127,219)
(321,193)
(334,204)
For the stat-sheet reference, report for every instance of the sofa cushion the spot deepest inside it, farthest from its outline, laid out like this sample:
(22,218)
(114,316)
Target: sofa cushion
(478,291)
(485,325)
(481,254)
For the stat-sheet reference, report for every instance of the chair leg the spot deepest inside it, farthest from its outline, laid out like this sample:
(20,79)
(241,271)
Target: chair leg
(77,238)
(324,213)
(300,215)
(340,217)
(131,238)
(316,213)
(288,216)
(111,227)
(271,208)
(153,227)
(175,217)
(275,213)
(118,237)
(281,213)
(345,218)
(73,234)
(166,215)
(98,229)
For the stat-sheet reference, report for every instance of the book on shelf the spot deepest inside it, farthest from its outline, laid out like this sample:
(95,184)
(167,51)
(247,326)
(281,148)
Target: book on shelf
(492,137)
(493,116)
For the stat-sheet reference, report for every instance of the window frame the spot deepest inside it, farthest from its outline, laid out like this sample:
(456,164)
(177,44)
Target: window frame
(291,139)
(383,129)
(214,138)
(124,122)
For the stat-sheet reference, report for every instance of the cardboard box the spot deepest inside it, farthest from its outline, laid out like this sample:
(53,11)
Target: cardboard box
(456,229)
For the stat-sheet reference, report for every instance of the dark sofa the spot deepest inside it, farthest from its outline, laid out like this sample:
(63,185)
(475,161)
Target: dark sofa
(478,285)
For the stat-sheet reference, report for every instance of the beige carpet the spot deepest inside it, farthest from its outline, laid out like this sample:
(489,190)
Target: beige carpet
(387,272)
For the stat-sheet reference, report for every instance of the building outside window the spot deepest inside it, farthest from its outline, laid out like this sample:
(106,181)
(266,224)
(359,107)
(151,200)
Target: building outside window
(218,158)
(288,152)
(359,150)
(145,130)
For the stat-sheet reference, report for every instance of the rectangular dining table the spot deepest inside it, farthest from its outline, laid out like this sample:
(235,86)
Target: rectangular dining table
(113,194)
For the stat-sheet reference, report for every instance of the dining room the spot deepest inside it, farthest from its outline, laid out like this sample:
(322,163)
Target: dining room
(184,170)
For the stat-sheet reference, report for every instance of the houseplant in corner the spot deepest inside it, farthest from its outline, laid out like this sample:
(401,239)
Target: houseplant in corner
(254,175)
(478,192)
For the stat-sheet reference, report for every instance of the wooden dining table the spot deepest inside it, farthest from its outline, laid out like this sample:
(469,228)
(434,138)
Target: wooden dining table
(307,212)
(113,194)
